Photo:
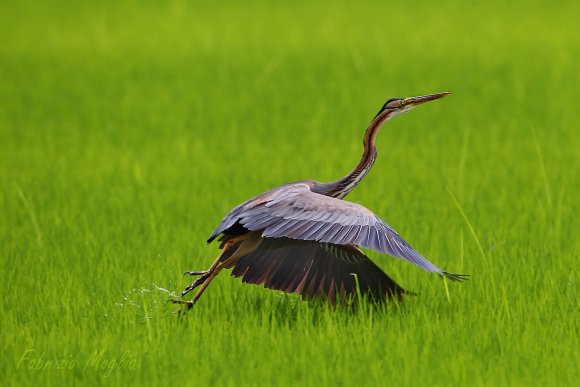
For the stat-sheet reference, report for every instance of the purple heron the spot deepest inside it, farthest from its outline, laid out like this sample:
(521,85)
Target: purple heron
(303,238)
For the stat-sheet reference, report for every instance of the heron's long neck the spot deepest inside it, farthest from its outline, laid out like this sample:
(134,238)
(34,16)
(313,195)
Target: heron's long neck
(341,187)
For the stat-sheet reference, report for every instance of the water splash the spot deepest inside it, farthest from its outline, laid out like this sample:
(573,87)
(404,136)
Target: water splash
(148,302)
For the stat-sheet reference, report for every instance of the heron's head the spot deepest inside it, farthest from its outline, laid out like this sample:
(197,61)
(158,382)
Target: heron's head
(396,106)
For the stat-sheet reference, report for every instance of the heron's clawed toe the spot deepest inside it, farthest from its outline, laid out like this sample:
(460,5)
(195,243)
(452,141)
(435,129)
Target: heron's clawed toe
(195,272)
(188,304)
(195,283)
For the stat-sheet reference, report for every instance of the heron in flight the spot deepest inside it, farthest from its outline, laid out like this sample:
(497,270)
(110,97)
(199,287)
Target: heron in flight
(303,238)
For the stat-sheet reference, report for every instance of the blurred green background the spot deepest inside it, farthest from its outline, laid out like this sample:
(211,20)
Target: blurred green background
(128,129)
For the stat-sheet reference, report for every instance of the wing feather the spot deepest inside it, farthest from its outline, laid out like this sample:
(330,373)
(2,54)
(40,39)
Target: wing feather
(340,237)
(313,269)
(294,211)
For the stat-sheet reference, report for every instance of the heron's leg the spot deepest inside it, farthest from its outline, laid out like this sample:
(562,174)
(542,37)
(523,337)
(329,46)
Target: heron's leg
(196,283)
(205,284)
(206,272)
(242,246)
(211,275)
(204,275)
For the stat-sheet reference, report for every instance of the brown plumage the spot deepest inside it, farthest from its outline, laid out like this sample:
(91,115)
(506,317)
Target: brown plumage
(302,237)
(313,269)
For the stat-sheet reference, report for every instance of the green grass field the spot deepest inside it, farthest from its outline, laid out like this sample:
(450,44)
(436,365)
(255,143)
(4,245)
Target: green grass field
(129,129)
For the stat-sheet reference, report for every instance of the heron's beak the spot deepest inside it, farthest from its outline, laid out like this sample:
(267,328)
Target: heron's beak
(414,101)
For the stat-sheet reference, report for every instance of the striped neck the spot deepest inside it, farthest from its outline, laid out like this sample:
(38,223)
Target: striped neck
(342,187)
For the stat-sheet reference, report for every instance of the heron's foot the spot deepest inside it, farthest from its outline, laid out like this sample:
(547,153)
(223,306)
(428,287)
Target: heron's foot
(188,305)
(196,272)
(205,275)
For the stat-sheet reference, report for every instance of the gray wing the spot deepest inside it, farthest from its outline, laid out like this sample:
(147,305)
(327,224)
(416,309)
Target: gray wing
(295,212)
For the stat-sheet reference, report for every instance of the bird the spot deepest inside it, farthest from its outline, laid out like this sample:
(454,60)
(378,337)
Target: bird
(304,238)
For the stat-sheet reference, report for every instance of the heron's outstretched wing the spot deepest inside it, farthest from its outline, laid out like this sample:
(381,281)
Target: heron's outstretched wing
(295,212)
(314,269)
